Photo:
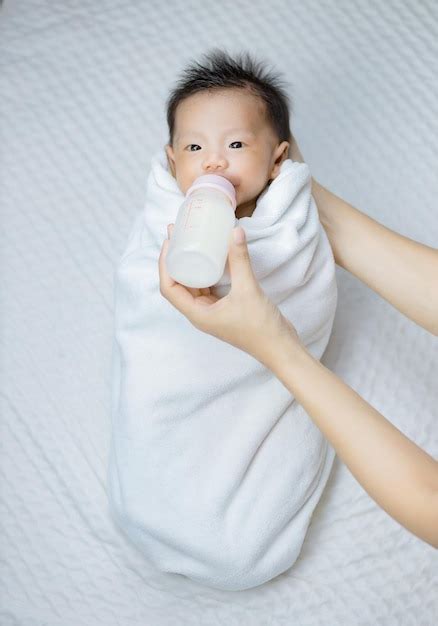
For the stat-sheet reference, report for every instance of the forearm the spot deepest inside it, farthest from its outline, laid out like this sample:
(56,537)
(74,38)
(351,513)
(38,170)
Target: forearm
(396,473)
(404,272)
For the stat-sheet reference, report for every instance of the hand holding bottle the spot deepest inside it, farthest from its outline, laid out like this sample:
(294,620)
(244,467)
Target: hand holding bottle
(245,317)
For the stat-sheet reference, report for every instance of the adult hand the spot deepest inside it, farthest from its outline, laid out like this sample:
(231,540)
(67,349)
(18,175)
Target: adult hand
(244,318)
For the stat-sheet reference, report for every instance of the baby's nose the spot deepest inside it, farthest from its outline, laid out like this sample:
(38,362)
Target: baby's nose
(215,162)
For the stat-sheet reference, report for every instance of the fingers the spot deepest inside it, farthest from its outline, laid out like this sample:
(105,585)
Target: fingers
(174,292)
(192,290)
(242,275)
(166,281)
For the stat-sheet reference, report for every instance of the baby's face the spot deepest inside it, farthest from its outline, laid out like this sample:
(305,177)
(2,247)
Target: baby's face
(225,133)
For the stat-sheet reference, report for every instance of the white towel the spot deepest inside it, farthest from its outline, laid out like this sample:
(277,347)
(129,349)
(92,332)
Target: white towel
(214,468)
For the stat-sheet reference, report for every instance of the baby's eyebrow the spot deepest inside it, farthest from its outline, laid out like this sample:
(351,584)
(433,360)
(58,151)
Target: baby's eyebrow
(195,133)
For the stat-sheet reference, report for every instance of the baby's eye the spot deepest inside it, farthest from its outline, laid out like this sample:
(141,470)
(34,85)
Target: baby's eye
(195,144)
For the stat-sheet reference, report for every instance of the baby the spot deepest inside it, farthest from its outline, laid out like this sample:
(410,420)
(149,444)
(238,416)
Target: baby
(239,130)
(214,468)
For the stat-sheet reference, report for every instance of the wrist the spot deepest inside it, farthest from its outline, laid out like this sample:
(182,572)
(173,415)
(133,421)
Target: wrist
(283,355)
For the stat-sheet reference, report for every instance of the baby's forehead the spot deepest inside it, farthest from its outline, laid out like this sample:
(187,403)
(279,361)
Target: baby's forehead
(252,125)
(225,111)
(228,101)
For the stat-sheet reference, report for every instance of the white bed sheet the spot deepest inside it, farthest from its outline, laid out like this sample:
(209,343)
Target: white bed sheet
(83,87)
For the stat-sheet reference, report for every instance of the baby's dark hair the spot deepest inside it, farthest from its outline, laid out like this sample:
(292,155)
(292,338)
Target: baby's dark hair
(221,71)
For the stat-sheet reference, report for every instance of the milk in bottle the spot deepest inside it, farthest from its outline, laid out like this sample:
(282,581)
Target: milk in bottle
(198,248)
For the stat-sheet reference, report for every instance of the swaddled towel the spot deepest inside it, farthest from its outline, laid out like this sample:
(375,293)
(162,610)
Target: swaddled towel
(214,468)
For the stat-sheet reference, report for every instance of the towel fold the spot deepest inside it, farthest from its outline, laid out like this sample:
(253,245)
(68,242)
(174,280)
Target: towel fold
(214,469)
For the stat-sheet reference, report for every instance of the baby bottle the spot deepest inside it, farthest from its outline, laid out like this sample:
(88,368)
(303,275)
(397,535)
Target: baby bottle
(198,248)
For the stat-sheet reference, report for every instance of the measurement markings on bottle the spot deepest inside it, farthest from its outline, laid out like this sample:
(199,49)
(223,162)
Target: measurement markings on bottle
(194,214)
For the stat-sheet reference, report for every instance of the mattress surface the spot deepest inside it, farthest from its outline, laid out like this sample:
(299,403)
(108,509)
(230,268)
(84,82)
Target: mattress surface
(83,89)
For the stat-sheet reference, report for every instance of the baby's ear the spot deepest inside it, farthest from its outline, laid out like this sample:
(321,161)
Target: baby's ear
(281,154)
(170,159)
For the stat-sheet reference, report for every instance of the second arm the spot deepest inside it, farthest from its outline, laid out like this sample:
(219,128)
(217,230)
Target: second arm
(401,270)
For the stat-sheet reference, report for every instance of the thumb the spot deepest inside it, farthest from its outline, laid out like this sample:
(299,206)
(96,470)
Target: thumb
(241,271)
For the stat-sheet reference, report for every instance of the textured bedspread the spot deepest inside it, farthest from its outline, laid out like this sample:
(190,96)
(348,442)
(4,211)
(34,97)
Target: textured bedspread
(83,86)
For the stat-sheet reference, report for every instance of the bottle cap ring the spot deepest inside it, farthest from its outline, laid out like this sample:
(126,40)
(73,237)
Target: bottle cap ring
(216,182)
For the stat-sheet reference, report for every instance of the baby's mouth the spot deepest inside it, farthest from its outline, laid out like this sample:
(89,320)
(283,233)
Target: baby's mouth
(230,181)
